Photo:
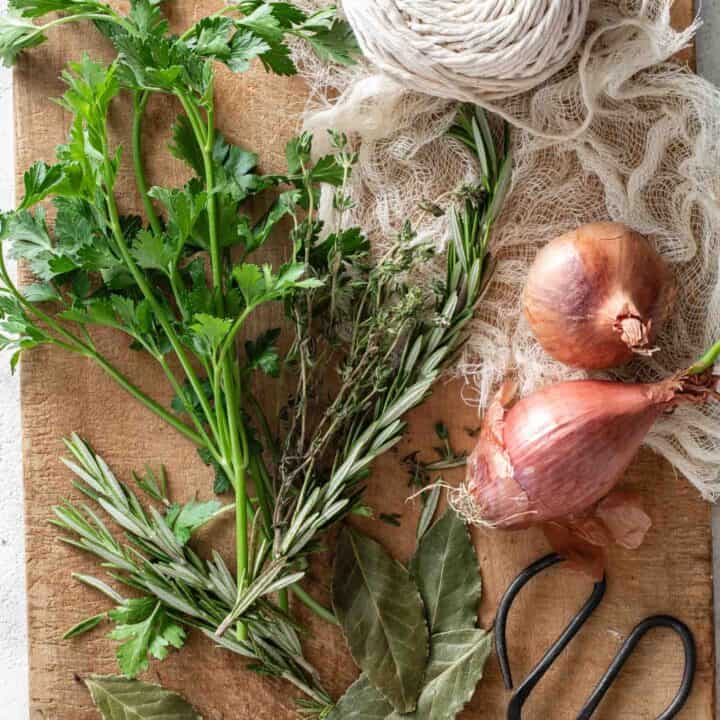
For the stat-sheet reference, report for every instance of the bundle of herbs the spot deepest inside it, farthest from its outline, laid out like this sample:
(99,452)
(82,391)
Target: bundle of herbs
(181,284)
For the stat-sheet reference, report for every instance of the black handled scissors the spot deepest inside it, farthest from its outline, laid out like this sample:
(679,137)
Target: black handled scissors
(521,694)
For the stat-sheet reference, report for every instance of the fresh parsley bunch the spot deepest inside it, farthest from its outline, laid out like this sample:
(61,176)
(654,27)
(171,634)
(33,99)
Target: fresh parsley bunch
(181,284)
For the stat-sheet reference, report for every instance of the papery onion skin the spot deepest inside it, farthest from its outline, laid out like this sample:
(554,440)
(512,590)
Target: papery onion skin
(556,453)
(598,295)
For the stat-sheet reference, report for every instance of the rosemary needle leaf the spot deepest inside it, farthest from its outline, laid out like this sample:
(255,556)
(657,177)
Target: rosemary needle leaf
(85,626)
(100,586)
(428,512)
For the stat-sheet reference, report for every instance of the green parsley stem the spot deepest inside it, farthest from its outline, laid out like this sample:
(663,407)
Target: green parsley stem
(222,424)
(82,16)
(707,361)
(240,454)
(264,427)
(140,100)
(310,602)
(142,283)
(177,286)
(229,339)
(259,476)
(205,136)
(179,391)
(241,543)
(151,404)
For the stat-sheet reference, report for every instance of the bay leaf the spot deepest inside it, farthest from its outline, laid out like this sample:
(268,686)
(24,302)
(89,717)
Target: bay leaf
(118,698)
(362,701)
(383,618)
(456,667)
(457,661)
(445,567)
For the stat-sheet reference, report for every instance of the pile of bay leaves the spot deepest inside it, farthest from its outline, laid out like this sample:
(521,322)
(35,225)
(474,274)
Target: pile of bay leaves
(411,630)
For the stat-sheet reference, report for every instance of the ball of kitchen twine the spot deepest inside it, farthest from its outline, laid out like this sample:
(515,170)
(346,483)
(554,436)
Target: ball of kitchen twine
(471,50)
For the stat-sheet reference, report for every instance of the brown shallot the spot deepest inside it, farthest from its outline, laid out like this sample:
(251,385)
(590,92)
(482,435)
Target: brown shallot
(554,458)
(597,296)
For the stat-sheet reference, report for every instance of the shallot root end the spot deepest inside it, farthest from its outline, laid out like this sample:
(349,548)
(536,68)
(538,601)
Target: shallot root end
(636,334)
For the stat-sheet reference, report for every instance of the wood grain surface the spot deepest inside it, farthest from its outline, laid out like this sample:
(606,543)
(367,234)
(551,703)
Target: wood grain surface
(671,573)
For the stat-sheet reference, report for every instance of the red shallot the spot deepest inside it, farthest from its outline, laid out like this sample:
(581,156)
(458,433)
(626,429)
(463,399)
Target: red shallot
(597,296)
(553,458)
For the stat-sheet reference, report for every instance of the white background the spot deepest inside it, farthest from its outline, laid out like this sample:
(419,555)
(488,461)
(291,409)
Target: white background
(13,628)
(13,632)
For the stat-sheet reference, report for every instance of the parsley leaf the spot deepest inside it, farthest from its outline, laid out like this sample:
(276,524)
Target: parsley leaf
(183,207)
(256,236)
(31,241)
(184,520)
(17,331)
(209,37)
(263,354)
(185,146)
(145,629)
(348,243)
(209,332)
(284,13)
(297,153)
(135,318)
(152,252)
(263,22)
(279,60)
(41,180)
(91,87)
(198,298)
(244,48)
(37,8)
(250,281)
(17,34)
(260,284)
(235,166)
(222,481)
(162,64)
(327,170)
(147,17)
(77,224)
(336,43)
(190,401)
(40,292)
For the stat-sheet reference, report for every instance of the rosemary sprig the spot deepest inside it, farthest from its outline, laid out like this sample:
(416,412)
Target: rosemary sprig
(194,592)
(369,408)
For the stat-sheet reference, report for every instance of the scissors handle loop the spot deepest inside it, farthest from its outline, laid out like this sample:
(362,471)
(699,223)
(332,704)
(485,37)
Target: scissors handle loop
(521,694)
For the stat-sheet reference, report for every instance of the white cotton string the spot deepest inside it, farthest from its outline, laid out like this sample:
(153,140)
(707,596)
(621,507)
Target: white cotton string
(471,50)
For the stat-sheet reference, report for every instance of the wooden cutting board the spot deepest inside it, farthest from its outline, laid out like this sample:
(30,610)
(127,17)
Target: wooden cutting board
(670,573)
